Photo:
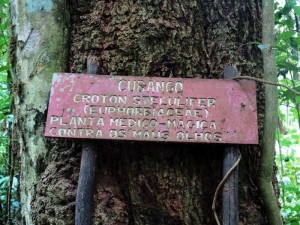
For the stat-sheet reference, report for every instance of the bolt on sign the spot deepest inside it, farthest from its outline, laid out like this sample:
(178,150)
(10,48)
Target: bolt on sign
(152,109)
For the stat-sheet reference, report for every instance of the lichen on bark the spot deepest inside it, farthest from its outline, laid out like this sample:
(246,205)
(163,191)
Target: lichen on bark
(40,36)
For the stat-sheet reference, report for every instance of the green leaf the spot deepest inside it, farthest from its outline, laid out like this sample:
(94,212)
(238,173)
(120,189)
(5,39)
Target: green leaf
(3,68)
(286,143)
(4,180)
(290,95)
(286,36)
(286,9)
(297,10)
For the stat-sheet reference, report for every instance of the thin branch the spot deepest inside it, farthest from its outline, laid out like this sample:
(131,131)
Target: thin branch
(1,213)
(296,21)
(288,106)
(297,107)
(11,170)
(266,164)
(266,82)
(281,168)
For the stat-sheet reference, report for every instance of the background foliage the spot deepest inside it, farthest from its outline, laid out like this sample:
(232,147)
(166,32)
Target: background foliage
(287,28)
(9,204)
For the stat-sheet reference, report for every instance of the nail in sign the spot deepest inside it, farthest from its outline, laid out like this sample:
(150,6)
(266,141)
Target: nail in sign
(152,109)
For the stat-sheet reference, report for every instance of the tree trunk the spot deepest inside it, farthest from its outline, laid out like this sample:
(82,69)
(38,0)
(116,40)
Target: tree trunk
(136,183)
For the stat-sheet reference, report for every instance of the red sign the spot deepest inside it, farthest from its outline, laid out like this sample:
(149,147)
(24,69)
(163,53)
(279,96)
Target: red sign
(152,109)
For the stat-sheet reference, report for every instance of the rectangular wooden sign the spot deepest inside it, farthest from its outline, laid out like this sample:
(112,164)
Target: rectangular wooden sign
(152,109)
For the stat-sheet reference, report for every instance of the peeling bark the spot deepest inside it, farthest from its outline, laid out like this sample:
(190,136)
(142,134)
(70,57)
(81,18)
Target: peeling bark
(156,183)
(38,48)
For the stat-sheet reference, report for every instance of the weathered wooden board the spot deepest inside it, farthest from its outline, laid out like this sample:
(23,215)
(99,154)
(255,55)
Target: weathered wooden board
(152,109)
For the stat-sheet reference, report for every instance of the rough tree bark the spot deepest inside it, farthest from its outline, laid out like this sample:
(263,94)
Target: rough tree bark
(136,183)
